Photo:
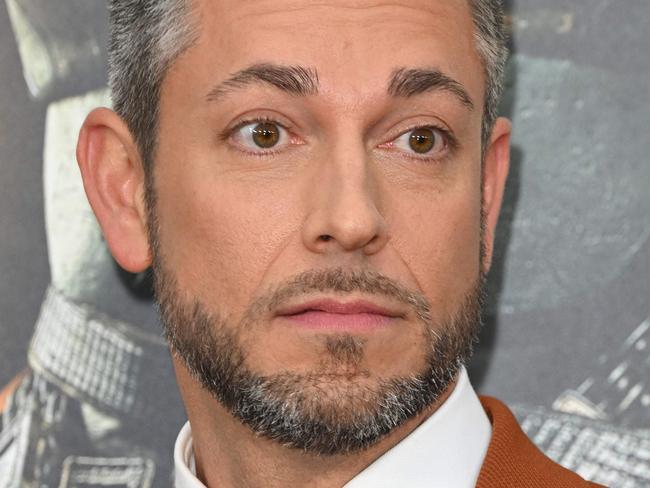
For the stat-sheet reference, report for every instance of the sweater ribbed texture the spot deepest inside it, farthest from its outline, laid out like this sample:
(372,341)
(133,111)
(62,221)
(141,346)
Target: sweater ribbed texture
(513,461)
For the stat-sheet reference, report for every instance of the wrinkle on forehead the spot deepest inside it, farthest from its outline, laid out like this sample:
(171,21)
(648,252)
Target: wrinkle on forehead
(238,10)
(354,45)
(238,24)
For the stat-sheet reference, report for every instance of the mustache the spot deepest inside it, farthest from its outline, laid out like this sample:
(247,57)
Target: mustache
(340,280)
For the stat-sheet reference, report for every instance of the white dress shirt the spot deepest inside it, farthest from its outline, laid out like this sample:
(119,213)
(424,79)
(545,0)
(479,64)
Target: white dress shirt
(445,451)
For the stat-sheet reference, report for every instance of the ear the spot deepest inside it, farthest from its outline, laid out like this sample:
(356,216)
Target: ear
(113,177)
(495,173)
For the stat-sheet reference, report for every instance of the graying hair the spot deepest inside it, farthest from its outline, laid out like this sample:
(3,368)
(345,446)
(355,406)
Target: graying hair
(148,35)
(491,37)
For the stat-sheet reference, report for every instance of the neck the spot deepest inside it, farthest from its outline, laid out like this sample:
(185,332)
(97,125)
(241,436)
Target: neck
(229,454)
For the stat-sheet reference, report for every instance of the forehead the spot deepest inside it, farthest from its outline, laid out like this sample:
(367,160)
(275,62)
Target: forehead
(353,45)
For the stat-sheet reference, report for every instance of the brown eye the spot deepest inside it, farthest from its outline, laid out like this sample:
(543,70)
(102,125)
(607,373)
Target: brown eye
(265,134)
(263,137)
(422,140)
(425,142)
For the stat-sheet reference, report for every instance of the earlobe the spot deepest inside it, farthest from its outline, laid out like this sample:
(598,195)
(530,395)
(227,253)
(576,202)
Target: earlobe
(113,178)
(495,174)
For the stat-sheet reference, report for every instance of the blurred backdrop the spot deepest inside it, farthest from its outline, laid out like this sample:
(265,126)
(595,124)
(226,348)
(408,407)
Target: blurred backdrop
(90,398)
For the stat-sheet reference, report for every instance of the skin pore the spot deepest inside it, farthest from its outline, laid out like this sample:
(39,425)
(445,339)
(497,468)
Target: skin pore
(342,186)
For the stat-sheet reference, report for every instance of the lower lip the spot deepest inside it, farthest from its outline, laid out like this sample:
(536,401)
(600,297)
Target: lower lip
(353,322)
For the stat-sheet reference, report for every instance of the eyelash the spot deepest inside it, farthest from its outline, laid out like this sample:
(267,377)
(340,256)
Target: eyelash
(450,140)
(229,132)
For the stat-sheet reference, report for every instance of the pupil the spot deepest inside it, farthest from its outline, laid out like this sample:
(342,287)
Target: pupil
(422,140)
(266,135)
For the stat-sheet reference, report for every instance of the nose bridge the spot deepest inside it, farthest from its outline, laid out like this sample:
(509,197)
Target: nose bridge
(345,201)
(349,172)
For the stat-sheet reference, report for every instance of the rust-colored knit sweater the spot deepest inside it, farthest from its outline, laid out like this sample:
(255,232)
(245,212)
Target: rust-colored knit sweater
(513,461)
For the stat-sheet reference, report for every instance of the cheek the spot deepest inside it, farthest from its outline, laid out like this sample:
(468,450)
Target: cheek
(439,240)
(219,235)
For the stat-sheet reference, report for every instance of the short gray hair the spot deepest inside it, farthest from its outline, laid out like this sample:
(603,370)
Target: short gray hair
(146,36)
(491,37)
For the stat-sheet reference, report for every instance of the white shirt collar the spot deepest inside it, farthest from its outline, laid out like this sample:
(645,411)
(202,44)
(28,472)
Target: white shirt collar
(446,450)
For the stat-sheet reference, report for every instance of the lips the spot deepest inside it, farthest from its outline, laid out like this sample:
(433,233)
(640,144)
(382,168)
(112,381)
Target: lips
(336,307)
(332,314)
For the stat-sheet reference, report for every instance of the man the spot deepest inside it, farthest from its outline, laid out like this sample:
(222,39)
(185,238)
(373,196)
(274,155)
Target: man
(316,186)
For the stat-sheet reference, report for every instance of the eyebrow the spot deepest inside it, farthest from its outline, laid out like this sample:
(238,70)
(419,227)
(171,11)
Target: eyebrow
(302,81)
(410,82)
(295,80)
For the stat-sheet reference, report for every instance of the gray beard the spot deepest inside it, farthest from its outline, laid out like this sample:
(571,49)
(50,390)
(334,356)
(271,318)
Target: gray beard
(335,409)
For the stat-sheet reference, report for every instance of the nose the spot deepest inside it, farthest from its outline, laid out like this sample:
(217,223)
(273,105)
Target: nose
(343,207)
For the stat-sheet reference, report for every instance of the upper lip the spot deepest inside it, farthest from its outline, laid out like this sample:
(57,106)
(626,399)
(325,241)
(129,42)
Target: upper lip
(334,306)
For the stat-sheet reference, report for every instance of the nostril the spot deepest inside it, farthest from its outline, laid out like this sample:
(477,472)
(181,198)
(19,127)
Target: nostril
(325,238)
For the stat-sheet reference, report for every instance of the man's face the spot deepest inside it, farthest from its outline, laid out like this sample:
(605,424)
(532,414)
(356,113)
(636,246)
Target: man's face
(318,205)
